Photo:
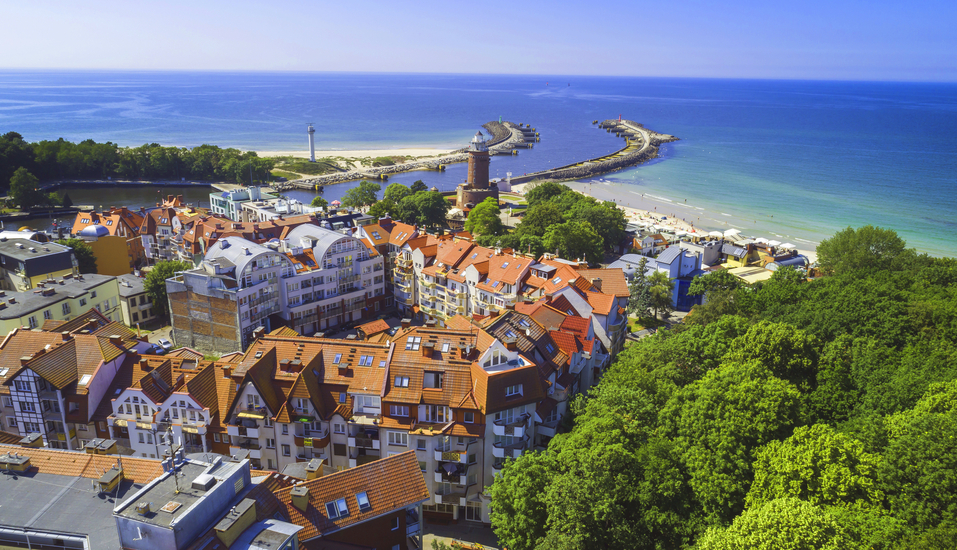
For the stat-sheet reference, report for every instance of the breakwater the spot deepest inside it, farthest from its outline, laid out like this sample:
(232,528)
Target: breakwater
(507,138)
(641,145)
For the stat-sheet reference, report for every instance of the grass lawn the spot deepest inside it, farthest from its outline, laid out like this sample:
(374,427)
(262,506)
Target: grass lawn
(283,174)
(635,323)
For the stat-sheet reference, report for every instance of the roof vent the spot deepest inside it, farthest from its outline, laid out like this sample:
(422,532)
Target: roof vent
(300,497)
(143,508)
(203,482)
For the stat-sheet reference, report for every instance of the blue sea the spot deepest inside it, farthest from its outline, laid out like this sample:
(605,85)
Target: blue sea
(791,160)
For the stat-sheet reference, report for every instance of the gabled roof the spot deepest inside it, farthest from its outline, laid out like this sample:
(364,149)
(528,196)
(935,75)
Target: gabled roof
(391,484)
(76,464)
(613,280)
(489,388)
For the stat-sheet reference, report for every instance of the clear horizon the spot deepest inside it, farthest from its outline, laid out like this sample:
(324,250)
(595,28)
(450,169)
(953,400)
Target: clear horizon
(819,40)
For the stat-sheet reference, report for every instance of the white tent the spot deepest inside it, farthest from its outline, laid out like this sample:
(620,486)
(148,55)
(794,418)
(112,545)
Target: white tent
(716,234)
(760,240)
(774,243)
(788,245)
(731,232)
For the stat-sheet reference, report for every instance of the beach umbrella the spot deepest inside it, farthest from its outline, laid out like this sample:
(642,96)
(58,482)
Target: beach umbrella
(760,240)
(335,203)
(788,245)
(774,243)
(716,234)
(731,232)
(681,233)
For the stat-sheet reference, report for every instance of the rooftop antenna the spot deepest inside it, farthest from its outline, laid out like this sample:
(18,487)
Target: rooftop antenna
(311,130)
(173,449)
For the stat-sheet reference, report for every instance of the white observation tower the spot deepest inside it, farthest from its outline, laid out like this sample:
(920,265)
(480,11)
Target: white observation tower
(312,142)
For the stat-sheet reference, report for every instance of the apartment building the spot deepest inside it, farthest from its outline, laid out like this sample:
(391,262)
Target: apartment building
(135,306)
(59,300)
(314,279)
(274,208)
(160,225)
(116,222)
(53,380)
(24,263)
(229,204)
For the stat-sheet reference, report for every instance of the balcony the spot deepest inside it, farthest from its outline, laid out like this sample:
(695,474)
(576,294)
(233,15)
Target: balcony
(364,442)
(451,456)
(457,498)
(548,428)
(249,432)
(514,427)
(514,450)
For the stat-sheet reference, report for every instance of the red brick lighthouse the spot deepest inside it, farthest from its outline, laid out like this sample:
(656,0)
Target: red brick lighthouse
(476,187)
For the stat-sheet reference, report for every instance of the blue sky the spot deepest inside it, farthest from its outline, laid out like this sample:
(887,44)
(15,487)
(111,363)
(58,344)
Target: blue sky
(876,40)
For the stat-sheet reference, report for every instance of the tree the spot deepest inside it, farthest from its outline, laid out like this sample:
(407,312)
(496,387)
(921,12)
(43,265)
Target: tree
(539,219)
(720,280)
(395,192)
(155,283)
(543,192)
(319,202)
(575,240)
(85,259)
(719,422)
(661,291)
(608,221)
(782,524)
(23,189)
(418,185)
(518,508)
(818,465)
(426,208)
(484,219)
(790,353)
(365,194)
(867,247)
(639,301)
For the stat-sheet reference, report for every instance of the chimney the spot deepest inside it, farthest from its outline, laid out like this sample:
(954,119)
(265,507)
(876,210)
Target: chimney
(510,344)
(15,462)
(597,282)
(406,323)
(116,340)
(65,335)
(427,349)
(314,468)
(239,518)
(259,332)
(227,371)
(430,323)
(25,359)
(300,497)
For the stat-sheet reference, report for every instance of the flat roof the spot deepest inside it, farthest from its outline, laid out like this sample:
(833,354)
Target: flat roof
(8,247)
(62,503)
(29,302)
(135,285)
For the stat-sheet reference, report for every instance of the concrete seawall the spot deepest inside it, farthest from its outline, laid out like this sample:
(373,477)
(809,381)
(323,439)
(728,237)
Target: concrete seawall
(641,145)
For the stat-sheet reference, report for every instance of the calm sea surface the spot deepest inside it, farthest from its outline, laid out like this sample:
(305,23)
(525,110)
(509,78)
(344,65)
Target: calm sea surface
(790,158)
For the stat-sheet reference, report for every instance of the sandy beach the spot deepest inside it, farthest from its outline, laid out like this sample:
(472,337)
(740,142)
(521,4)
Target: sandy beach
(360,153)
(679,214)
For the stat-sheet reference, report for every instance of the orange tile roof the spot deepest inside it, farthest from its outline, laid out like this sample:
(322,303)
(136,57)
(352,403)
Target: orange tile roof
(120,222)
(612,280)
(507,268)
(7,438)
(401,233)
(373,327)
(391,484)
(490,387)
(80,464)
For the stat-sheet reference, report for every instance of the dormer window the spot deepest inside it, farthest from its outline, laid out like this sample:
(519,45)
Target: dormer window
(342,397)
(432,380)
(402,381)
(513,390)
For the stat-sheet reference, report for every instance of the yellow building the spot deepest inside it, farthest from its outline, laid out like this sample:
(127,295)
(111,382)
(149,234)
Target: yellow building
(60,299)
(111,255)
(25,263)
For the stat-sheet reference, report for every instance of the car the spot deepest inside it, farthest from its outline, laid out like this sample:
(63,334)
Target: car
(393,330)
(157,349)
(167,345)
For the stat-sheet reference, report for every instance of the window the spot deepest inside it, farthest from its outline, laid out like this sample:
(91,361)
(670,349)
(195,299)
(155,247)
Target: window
(423,466)
(285,429)
(513,390)
(339,449)
(21,385)
(270,443)
(420,444)
(82,302)
(337,508)
(551,416)
(27,406)
(549,347)
(33,321)
(399,438)
(470,418)
(216,438)
(363,500)
(413,343)
(398,410)
(364,402)
(93,294)
(339,428)
(140,434)
(285,450)
(47,314)
(445,347)
(342,397)
(402,381)
(136,317)
(432,380)
(337,359)
(13,422)
(365,360)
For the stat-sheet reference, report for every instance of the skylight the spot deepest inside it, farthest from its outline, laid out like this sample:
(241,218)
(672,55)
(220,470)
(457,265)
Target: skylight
(518,266)
(494,284)
(413,343)
(337,359)
(342,397)
(376,235)
(474,255)
(550,347)
(86,379)
(365,361)
(3,371)
(557,280)
(363,500)
(509,333)
(445,347)
(382,364)
(504,265)
(524,322)
(337,509)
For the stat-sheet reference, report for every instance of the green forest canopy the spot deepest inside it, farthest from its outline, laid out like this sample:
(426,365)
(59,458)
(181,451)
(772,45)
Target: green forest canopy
(61,159)
(818,414)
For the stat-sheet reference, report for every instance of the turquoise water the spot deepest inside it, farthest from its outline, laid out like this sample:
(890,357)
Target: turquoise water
(792,158)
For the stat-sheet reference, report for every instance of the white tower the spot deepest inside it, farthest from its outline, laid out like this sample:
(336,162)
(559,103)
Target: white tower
(312,143)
